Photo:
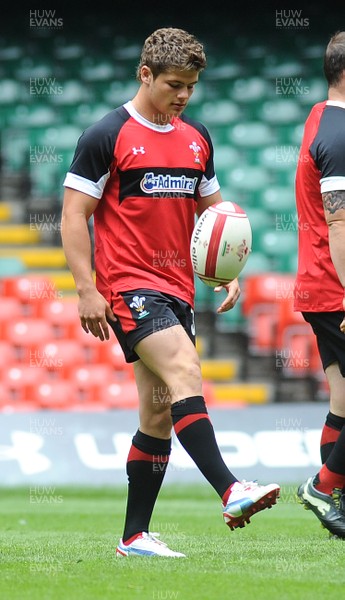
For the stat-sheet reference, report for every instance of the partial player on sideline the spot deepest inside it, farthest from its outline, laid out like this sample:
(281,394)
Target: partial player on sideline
(144,171)
(320,281)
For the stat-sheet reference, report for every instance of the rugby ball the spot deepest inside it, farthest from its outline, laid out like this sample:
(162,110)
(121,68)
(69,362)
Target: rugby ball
(220,243)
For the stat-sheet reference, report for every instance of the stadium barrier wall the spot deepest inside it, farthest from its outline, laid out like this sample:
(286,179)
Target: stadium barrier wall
(269,443)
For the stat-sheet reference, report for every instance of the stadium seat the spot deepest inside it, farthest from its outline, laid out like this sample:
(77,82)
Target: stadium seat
(108,352)
(5,398)
(89,379)
(11,266)
(22,380)
(55,395)
(250,90)
(281,111)
(8,355)
(219,112)
(280,244)
(31,290)
(262,294)
(296,342)
(61,356)
(92,347)
(62,315)
(278,200)
(122,395)
(257,262)
(111,353)
(253,134)
(27,335)
(248,178)
(10,309)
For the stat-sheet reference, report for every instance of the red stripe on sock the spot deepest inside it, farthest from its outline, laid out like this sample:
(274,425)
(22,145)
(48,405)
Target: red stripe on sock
(329,480)
(136,454)
(329,435)
(188,420)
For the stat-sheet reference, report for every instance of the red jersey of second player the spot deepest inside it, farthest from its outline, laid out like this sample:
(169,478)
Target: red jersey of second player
(321,168)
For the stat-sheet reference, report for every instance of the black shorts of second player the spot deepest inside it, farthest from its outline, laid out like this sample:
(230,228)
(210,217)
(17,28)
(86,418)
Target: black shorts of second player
(330,340)
(141,312)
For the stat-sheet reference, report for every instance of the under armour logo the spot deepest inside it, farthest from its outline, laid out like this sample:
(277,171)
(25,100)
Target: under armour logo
(140,150)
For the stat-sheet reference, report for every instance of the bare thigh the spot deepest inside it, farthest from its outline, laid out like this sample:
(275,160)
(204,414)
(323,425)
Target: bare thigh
(172,357)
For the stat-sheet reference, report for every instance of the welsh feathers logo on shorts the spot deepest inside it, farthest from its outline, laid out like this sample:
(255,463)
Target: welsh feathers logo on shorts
(138,305)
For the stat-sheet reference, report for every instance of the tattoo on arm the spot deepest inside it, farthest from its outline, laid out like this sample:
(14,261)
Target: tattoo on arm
(333,201)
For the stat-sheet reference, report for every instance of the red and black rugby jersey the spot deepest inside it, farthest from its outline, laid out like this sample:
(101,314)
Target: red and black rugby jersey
(148,179)
(321,168)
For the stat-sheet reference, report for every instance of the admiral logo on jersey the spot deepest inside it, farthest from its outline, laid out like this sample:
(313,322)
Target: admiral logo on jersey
(151,183)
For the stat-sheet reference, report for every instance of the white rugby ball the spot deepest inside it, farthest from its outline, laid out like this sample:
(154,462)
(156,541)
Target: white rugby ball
(221,243)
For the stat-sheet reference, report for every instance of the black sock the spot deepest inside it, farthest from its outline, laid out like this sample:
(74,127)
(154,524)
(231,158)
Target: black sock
(330,433)
(194,430)
(146,465)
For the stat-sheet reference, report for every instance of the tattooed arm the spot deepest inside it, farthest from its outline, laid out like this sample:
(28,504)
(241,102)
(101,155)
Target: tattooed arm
(334,206)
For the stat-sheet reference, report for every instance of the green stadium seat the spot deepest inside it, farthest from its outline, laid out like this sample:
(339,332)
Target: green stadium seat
(203,296)
(278,199)
(250,135)
(11,266)
(249,90)
(257,262)
(279,246)
(281,111)
(315,91)
(220,111)
(248,178)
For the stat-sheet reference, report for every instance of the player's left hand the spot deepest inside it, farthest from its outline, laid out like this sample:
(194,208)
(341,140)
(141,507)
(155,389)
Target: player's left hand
(233,291)
(342,324)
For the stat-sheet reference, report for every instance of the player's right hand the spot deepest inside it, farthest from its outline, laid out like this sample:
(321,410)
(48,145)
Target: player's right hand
(93,312)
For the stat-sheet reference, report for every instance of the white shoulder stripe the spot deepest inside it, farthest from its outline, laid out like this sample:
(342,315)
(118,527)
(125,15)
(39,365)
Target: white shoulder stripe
(332,184)
(92,188)
(208,187)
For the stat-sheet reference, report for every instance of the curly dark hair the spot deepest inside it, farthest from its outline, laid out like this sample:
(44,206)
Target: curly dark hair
(170,48)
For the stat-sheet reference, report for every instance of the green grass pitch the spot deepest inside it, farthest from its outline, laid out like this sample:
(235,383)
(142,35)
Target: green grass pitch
(58,543)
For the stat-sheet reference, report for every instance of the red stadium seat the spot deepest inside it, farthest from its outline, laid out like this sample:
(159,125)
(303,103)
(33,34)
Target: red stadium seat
(62,316)
(22,380)
(92,346)
(31,290)
(90,379)
(262,295)
(61,357)
(5,397)
(106,352)
(296,338)
(27,334)
(10,310)
(111,353)
(8,355)
(56,395)
(122,395)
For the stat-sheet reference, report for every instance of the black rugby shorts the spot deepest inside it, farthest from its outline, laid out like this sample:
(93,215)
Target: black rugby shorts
(142,312)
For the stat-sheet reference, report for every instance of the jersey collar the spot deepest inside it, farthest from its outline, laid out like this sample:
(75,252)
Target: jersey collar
(140,119)
(335,103)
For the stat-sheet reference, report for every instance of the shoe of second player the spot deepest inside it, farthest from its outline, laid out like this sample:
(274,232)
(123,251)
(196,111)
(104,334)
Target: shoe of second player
(328,509)
(247,498)
(146,544)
